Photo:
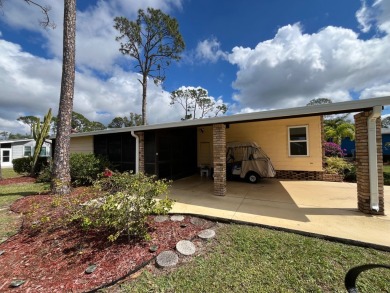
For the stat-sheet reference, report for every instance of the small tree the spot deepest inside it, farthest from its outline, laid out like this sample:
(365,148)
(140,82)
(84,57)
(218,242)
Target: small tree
(4,134)
(184,98)
(30,121)
(319,101)
(153,40)
(340,130)
(197,101)
(40,132)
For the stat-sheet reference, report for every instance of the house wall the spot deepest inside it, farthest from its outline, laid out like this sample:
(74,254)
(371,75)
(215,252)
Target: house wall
(18,149)
(82,144)
(272,137)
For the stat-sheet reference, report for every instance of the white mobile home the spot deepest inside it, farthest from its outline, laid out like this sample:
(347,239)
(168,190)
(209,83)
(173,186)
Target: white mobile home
(19,148)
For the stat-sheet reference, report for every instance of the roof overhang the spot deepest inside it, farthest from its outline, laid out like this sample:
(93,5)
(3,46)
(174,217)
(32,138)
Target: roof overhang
(325,109)
(16,140)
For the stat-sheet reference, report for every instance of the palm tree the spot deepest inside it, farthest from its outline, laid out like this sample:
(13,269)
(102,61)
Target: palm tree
(337,129)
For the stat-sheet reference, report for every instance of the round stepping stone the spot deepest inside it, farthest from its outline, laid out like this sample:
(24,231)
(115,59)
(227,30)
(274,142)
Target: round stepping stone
(185,247)
(177,218)
(17,283)
(167,259)
(206,234)
(160,219)
(197,221)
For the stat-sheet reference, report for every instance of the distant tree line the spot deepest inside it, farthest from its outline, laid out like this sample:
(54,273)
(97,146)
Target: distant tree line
(79,124)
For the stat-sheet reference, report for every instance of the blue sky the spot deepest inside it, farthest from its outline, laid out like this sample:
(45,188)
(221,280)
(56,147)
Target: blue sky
(253,55)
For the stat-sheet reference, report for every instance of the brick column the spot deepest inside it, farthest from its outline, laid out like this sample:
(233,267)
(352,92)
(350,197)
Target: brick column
(362,163)
(219,155)
(141,165)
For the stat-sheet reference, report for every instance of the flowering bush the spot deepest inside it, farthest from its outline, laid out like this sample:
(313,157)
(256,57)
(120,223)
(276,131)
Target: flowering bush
(333,150)
(124,206)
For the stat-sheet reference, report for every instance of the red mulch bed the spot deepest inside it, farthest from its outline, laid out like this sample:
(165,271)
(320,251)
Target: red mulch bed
(17,180)
(55,259)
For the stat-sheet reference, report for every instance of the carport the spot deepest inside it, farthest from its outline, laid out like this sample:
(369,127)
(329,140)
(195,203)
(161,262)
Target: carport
(369,158)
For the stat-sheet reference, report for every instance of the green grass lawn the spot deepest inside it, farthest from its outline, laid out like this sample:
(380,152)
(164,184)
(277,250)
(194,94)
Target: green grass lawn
(9,222)
(386,169)
(252,259)
(9,173)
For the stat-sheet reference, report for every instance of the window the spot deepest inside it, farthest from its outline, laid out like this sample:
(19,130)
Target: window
(27,151)
(43,152)
(297,141)
(6,156)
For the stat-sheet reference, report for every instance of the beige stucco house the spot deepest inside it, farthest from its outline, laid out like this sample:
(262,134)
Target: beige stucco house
(292,138)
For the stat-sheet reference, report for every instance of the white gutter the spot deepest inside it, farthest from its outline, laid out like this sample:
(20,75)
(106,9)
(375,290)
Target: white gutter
(373,157)
(136,151)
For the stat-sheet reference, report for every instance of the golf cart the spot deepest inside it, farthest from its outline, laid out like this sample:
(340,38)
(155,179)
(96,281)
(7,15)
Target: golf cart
(246,160)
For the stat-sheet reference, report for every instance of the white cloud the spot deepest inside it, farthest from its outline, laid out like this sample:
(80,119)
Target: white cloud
(294,67)
(209,50)
(377,14)
(31,85)
(376,91)
(383,18)
(364,17)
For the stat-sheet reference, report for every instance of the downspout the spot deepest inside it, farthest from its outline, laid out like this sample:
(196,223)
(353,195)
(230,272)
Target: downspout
(136,151)
(373,157)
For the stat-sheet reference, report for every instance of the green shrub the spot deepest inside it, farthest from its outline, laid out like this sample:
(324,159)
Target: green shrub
(336,165)
(85,168)
(45,174)
(127,200)
(350,175)
(23,165)
(386,177)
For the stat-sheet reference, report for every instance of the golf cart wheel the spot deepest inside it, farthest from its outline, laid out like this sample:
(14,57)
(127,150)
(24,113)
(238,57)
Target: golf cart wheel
(252,177)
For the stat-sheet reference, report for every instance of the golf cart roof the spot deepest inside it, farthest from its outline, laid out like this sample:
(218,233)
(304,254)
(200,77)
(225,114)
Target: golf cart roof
(242,144)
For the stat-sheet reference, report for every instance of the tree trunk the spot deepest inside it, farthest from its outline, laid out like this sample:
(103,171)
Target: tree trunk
(144,89)
(61,168)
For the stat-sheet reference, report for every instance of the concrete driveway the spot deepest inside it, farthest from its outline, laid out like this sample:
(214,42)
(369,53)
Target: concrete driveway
(326,208)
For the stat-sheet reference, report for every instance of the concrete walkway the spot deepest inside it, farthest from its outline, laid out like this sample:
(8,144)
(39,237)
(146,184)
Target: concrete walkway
(326,208)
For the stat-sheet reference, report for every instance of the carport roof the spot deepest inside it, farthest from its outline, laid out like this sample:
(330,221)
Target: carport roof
(334,108)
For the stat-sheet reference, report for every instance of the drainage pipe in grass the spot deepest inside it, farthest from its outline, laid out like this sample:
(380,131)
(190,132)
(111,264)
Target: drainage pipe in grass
(136,151)
(373,157)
